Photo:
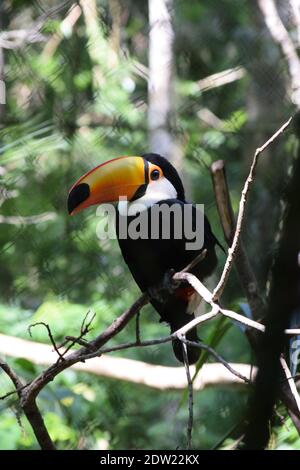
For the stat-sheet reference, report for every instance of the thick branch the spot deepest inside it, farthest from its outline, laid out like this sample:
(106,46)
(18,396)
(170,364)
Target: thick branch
(30,410)
(37,423)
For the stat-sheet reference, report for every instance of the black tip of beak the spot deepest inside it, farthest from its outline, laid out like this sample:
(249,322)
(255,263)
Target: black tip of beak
(77,195)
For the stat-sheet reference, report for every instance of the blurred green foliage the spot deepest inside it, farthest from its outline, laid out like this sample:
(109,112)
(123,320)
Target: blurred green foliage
(57,124)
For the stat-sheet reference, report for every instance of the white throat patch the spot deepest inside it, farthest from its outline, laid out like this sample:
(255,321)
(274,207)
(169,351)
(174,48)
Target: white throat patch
(159,190)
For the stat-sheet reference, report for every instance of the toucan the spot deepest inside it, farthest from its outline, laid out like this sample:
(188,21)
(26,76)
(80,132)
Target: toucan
(145,183)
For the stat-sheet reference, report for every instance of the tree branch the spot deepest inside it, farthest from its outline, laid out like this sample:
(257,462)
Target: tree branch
(243,266)
(281,37)
(221,78)
(31,219)
(31,410)
(244,196)
(284,301)
(129,370)
(191,398)
(95,348)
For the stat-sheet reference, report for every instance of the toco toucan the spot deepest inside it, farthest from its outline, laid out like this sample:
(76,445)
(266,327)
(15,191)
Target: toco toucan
(148,182)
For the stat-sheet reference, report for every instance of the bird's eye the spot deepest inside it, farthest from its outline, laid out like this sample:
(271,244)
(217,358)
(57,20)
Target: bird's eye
(155,175)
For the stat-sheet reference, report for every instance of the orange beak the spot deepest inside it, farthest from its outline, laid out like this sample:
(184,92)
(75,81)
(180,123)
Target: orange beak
(118,178)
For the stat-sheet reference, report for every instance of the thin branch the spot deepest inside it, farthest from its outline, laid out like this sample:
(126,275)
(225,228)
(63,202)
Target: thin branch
(244,269)
(28,220)
(84,330)
(129,370)
(216,308)
(182,331)
(210,119)
(281,36)
(48,375)
(292,331)
(29,394)
(122,347)
(195,262)
(295,4)
(137,328)
(191,399)
(290,381)
(217,356)
(221,78)
(75,340)
(11,374)
(31,391)
(244,196)
(67,24)
(41,323)
(18,38)
(13,392)
(284,300)
(247,277)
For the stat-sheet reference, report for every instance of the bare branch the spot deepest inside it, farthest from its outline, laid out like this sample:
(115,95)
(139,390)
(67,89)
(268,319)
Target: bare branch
(11,374)
(130,370)
(195,261)
(30,409)
(19,38)
(246,274)
(216,308)
(32,219)
(36,421)
(284,299)
(41,323)
(221,78)
(217,356)
(281,36)
(291,382)
(295,4)
(84,330)
(67,25)
(137,329)
(191,399)
(242,263)
(95,348)
(244,196)
(48,375)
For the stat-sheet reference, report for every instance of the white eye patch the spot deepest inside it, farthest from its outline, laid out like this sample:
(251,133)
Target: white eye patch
(159,190)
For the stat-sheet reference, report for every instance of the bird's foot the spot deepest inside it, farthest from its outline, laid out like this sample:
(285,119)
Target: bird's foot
(166,288)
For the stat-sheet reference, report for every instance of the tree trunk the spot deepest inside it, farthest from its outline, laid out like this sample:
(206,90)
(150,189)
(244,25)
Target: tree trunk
(161,78)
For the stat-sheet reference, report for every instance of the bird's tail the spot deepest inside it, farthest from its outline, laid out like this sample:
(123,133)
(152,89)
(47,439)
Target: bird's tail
(193,353)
